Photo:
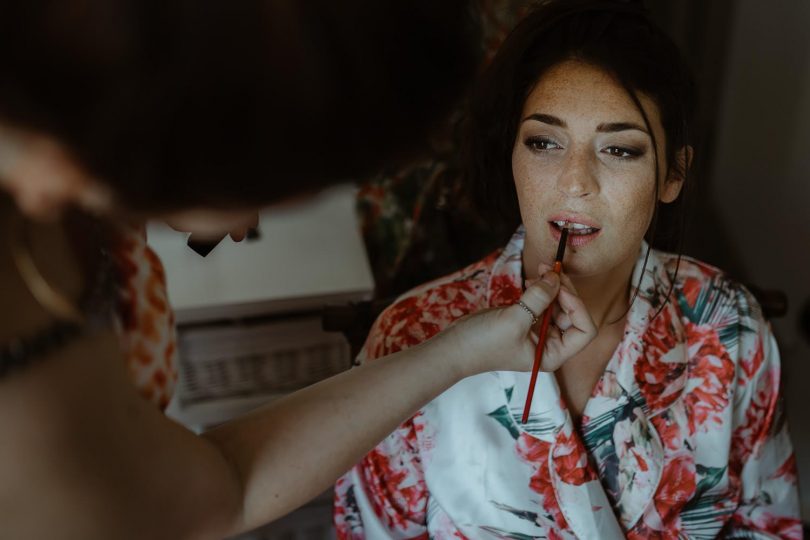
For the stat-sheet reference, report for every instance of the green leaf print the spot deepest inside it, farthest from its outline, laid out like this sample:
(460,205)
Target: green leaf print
(709,477)
(504,535)
(509,394)
(703,513)
(528,515)
(510,418)
(504,417)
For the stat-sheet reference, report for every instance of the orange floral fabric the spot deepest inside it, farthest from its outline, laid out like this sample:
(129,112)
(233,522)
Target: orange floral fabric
(145,320)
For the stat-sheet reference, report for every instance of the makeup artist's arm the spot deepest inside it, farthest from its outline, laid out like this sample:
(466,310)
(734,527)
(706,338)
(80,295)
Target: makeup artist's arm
(294,449)
(87,457)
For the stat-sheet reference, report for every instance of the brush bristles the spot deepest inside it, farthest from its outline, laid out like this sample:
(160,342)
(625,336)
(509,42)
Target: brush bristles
(561,245)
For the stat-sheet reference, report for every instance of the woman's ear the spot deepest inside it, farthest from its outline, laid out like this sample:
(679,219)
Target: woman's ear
(676,175)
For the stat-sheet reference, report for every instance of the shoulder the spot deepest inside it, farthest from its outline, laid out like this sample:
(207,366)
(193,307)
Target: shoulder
(717,308)
(427,309)
(706,295)
(473,279)
(733,359)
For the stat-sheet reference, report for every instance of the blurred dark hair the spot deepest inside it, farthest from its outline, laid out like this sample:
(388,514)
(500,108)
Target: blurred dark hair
(616,36)
(217,103)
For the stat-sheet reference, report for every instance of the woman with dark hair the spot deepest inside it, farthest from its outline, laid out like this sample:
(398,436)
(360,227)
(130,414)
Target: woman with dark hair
(667,425)
(112,112)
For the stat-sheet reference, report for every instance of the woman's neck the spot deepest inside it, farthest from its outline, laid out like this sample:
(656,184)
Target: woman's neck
(606,295)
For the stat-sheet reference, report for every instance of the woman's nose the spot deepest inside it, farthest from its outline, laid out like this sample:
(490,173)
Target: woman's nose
(578,175)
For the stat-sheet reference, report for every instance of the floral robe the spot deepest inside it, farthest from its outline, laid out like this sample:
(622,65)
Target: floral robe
(145,320)
(683,436)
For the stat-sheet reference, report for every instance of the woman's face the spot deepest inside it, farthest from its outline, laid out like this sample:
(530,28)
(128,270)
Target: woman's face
(583,156)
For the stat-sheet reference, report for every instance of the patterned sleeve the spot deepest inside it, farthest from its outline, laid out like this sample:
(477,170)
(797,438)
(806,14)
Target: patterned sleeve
(384,496)
(762,454)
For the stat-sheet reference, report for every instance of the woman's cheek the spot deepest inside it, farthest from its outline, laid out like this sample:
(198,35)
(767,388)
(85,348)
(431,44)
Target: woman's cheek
(632,202)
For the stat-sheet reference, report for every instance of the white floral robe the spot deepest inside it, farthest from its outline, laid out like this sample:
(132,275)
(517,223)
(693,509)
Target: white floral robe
(683,436)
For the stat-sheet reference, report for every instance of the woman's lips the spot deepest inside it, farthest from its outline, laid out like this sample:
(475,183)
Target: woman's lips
(574,240)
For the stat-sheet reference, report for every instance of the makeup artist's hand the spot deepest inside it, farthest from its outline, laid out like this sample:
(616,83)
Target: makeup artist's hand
(571,328)
(505,338)
(214,225)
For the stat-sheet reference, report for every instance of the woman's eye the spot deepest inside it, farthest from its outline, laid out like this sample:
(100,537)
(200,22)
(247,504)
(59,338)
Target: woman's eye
(541,143)
(622,152)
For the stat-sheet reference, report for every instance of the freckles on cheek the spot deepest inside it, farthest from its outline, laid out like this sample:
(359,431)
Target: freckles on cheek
(528,183)
(530,198)
(634,209)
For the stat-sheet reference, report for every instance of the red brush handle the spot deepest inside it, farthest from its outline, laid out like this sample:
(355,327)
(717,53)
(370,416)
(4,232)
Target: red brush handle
(538,352)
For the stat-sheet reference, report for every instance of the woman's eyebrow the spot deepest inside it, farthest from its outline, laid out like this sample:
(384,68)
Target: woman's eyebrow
(612,127)
(609,127)
(546,119)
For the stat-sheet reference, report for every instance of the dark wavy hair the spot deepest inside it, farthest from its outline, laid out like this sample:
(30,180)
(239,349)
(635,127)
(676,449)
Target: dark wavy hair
(216,103)
(616,36)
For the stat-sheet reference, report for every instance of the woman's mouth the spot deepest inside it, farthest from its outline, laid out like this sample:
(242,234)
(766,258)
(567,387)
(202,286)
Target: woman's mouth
(579,234)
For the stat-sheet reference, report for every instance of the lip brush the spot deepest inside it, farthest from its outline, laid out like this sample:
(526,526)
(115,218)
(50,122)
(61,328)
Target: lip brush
(541,342)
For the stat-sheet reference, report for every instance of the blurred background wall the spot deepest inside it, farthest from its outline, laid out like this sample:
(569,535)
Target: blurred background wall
(760,181)
(752,215)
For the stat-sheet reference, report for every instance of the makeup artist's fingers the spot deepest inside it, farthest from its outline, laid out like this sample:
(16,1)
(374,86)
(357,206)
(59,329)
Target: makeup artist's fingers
(239,234)
(566,282)
(542,268)
(561,319)
(578,330)
(539,295)
(575,308)
(558,314)
(504,338)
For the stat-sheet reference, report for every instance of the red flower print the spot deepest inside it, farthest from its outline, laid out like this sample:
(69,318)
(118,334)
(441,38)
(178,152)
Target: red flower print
(669,430)
(643,531)
(750,366)
(504,291)
(691,289)
(757,415)
(416,319)
(392,493)
(787,472)
(713,369)
(571,460)
(535,452)
(658,372)
(676,488)
(788,528)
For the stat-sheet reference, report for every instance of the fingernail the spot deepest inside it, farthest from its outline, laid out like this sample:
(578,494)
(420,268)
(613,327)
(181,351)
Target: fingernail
(551,278)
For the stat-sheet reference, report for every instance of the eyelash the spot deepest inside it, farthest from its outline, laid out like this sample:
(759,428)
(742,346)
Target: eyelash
(536,144)
(631,153)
